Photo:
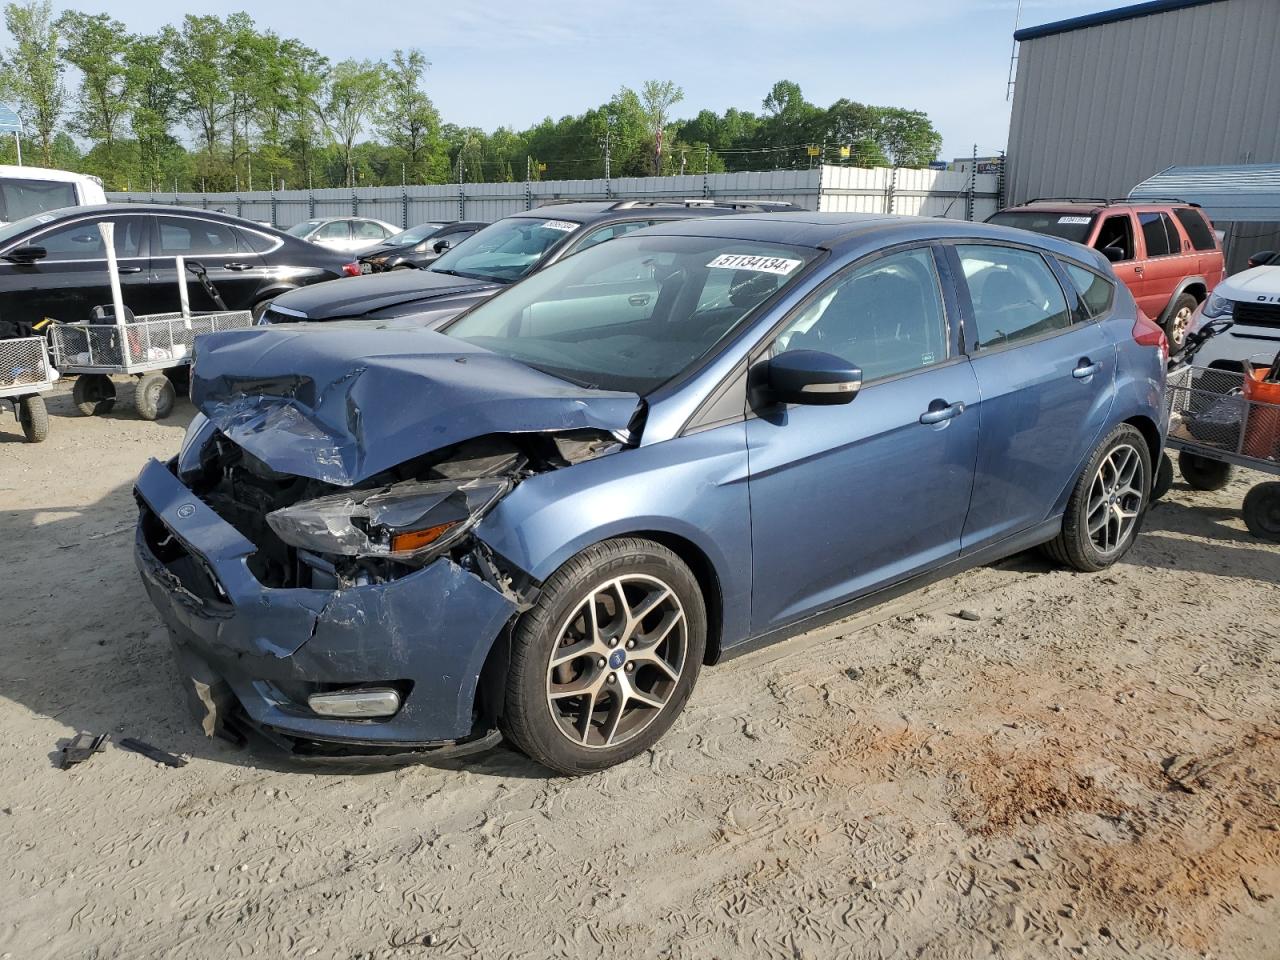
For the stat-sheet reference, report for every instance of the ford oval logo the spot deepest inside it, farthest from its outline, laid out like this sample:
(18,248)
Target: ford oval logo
(186,510)
(617,658)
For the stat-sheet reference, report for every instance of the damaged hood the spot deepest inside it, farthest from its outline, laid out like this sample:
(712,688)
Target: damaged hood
(360,296)
(342,405)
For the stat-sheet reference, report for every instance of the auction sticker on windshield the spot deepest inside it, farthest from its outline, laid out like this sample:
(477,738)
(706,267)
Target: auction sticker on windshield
(746,261)
(566,225)
(1079,220)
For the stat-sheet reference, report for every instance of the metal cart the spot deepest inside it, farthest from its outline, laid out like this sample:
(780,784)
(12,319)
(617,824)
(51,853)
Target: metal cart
(155,348)
(1217,421)
(25,373)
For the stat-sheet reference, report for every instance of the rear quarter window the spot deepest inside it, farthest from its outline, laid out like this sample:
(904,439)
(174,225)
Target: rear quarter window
(1198,230)
(1095,290)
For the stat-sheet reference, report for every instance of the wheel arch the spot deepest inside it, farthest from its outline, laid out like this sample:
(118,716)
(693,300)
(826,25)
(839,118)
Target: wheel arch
(1151,433)
(1198,287)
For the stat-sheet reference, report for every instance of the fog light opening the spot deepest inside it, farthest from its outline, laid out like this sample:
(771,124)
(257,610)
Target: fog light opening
(367,703)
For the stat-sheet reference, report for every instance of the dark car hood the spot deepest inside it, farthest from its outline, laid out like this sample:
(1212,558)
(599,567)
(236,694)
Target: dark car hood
(341,405)
(358,296)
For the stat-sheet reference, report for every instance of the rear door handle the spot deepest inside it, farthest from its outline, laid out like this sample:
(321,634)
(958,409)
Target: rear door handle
(638,299)
(237,266)
(1085,369)
(1138,271)
(940,410)
(130,269)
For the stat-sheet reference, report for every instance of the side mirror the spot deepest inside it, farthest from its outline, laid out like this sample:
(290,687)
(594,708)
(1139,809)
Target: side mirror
(1114,254)
(1264,258)
(811,377)
(27,253)
(440,246)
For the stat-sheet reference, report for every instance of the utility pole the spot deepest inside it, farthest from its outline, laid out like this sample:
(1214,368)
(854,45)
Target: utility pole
(706,159)
(250,157)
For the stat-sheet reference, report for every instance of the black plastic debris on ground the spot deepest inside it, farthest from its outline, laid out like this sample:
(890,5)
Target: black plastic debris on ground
(80,748)
(154,753)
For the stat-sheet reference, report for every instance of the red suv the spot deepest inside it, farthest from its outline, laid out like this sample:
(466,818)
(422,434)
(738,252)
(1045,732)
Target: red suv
(1167,254)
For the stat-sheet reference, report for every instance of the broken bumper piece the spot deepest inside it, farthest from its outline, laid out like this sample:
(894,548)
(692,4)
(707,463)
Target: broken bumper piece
(254,654)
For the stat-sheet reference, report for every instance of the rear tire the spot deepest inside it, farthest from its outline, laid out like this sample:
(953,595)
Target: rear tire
(34,418)
(1164,478)
(94,394)
(1108,504)
(637,615)
(1261,511)
(154,397)
(1179,321)
(1203,473)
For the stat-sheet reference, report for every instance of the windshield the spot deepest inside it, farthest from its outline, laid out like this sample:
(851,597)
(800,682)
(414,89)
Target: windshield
(303,228)
(413,234)
(1054,223)
(632,313)
(507,250)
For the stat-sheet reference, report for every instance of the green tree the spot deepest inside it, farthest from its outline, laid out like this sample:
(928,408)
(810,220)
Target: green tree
(98,46)
(151,90)
(353,94)
(32,70)
(907,137)
(657,97)
(408,120)
(198,58)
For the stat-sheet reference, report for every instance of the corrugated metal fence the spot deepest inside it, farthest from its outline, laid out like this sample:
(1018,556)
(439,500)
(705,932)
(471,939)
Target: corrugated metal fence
(921,192)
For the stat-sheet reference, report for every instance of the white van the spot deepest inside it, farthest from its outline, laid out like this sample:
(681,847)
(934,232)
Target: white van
(29,190)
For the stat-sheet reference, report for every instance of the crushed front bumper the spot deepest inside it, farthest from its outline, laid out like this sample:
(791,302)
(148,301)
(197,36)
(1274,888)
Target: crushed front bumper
(243,646)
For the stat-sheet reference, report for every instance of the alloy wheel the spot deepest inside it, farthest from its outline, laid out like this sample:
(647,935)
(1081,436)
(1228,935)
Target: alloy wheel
(618,659)
(1115,499)
(1178,328)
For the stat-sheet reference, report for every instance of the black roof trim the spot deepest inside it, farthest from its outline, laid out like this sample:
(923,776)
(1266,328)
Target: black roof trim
(1107,16)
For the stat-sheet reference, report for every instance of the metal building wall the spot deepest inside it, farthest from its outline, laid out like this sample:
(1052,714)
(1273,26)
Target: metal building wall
(1098,109)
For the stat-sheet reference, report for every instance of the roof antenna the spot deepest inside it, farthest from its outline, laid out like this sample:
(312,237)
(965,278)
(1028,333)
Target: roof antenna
(1013,54)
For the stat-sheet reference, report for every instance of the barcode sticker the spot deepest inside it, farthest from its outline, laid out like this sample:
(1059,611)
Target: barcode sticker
(746,261)
(563,225)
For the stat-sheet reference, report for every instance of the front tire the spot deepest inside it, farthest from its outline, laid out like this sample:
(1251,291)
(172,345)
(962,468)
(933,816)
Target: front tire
(154,396)
(1107,506)
(605,661)
(34,418)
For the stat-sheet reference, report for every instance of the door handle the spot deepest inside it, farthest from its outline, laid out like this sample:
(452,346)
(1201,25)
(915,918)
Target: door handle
(236,266)
(937,413)
(129,269)
(638,299)
(1085,369)
(1138,270)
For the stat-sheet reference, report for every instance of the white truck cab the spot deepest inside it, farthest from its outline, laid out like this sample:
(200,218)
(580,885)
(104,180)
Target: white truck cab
(1251,299)
(25,191)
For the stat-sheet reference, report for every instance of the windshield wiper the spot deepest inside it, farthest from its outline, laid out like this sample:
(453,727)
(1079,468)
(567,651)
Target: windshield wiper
(470,276)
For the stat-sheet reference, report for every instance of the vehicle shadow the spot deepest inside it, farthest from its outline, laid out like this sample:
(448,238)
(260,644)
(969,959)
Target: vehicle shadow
(1203,539)
(84,646)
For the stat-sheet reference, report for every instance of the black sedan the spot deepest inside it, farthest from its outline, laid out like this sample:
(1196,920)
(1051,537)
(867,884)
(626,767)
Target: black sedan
(417,247)
(54,264)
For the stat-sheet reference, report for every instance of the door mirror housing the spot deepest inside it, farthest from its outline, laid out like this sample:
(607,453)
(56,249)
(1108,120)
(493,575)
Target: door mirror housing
(1264,258)
(1114,254)
(440,246)
(811,377)
(27,253)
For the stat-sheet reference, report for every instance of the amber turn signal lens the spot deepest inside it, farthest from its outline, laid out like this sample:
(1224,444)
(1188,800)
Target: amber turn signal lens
(417,539)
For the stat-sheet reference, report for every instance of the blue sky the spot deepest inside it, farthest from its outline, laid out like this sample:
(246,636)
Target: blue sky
(513,63)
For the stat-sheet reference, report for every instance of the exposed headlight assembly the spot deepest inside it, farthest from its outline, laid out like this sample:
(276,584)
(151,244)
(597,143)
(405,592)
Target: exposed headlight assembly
(411,522)
(1217,307)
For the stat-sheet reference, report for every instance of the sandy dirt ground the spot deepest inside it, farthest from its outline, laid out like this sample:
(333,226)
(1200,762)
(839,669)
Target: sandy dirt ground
(1090,768)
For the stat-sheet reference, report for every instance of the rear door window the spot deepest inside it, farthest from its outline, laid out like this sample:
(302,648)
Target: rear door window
(1156,230)
(368,230)
(1014,293)
(1198,231)
(192,237)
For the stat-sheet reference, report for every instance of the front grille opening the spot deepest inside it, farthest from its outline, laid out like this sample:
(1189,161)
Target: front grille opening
(189,569)
(1257,314)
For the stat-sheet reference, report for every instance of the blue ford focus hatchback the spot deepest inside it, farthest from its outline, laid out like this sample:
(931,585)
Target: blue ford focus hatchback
(546,517)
